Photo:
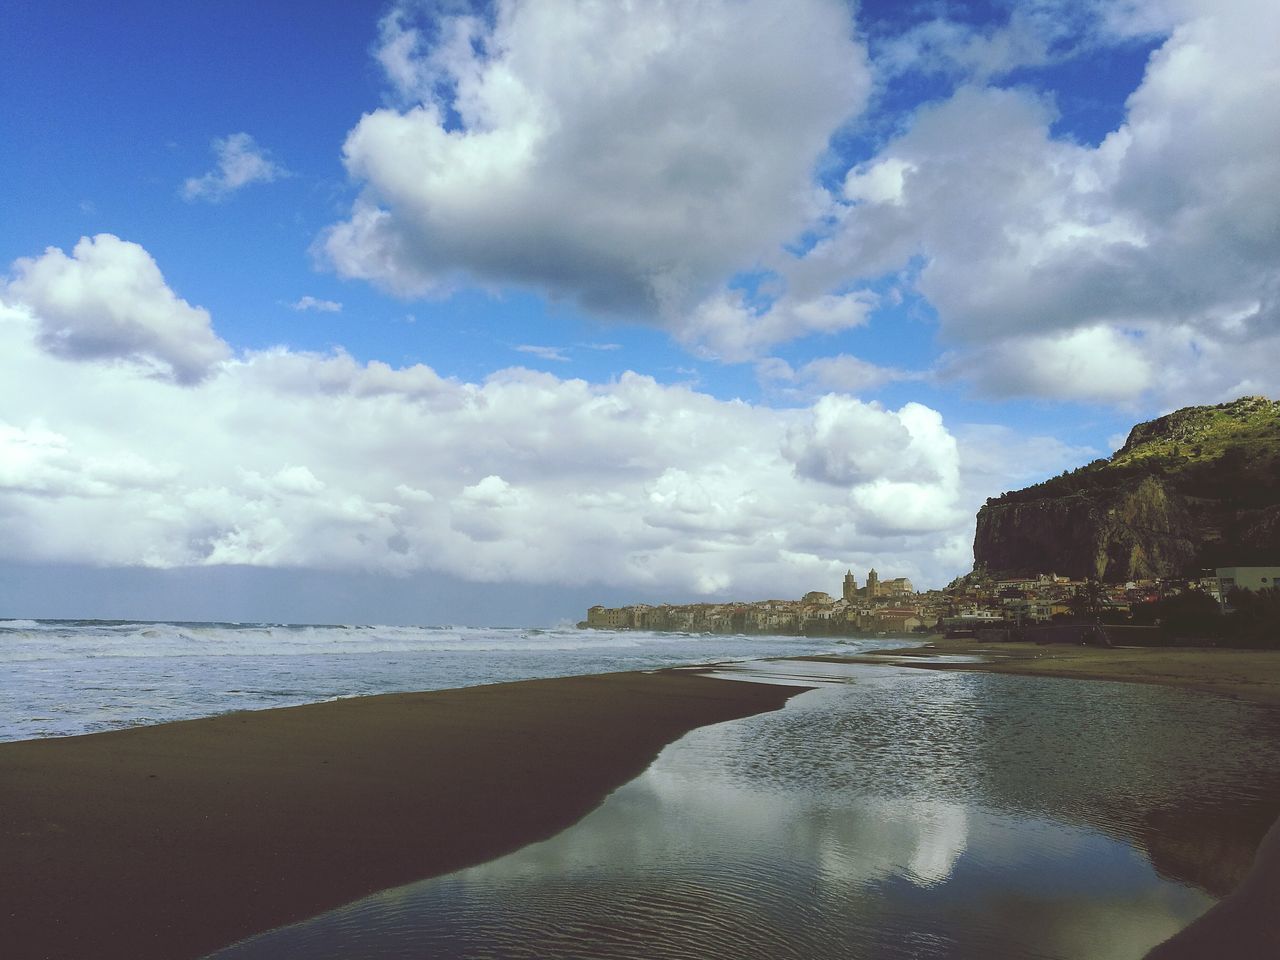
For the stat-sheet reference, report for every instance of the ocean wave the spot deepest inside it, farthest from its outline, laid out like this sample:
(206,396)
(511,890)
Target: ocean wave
(21,625)
(100,640)
(65,677)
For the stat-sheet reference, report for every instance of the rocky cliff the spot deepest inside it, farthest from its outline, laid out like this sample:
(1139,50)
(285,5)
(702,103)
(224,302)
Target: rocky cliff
(1197,488)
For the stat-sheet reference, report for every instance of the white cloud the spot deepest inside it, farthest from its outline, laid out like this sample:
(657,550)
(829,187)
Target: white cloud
(628,156)
(109,301)
(1063,270)
(1090,363)
(312,303)
(997,458)
(637,194)
(840,373)
(240,162)
(1026,246)
(902,468)
(950,47)
(37,461)
(544,353)
(319,461)
(726,327)
(1036,33)
(848,442)
(1144,18)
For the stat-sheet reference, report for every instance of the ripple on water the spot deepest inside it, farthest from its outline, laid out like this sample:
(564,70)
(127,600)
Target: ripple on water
(905,814)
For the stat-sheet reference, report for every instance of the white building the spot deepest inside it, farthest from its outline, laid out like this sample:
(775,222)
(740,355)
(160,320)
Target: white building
(1247,578)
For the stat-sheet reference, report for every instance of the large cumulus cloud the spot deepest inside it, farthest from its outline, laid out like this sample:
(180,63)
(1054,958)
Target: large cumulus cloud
(643,159)
(109,301)
(1158,246)
(287,458)
(628,156)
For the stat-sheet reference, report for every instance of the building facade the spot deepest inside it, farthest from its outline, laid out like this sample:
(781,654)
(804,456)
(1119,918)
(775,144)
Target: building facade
(1247,578)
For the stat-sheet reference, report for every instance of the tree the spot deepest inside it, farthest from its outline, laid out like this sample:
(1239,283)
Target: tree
(1088,599)
(1255,621)
(1192,613)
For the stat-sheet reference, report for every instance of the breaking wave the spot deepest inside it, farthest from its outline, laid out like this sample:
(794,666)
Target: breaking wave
(63,677)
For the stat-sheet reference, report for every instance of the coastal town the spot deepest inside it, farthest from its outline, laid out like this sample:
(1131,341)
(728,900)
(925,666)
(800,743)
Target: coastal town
(968,604)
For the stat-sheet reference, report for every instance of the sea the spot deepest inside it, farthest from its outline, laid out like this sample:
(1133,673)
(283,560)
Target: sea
(888,812)
(64,677)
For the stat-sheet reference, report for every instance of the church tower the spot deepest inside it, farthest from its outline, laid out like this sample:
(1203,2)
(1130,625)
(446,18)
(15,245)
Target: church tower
(850,586)
(873,584)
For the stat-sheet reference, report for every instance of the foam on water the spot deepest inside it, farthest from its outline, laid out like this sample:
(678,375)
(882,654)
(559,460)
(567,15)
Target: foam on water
(64,677)
(31,639)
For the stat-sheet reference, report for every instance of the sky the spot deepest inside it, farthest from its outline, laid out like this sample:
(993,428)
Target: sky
(429,311)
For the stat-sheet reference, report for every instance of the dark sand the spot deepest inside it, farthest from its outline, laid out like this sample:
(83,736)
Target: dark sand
(171,841)
(1246,924)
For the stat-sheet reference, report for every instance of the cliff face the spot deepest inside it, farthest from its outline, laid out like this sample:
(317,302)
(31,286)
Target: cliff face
(1197,488)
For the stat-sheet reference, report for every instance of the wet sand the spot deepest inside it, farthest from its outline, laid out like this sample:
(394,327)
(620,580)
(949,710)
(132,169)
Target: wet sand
(171,841)
(1244,924)
(1247,674)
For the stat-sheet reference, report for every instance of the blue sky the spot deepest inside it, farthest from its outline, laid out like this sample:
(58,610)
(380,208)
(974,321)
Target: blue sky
(658,301)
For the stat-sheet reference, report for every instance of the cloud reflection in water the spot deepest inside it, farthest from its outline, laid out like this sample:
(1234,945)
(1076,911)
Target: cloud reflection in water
(864,820)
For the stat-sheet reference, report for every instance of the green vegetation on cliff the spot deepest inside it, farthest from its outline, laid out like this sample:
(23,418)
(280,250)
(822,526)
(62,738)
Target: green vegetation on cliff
(1197,488)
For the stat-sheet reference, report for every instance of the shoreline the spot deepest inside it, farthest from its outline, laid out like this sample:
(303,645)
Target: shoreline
(175,840)
(1240,674)
(178,839)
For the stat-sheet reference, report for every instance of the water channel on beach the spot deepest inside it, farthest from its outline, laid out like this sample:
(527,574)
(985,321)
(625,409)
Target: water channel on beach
(890,813)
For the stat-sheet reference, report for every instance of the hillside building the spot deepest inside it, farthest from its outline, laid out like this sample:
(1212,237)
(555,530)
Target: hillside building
(1247,578)
(1244,578)
(873,584)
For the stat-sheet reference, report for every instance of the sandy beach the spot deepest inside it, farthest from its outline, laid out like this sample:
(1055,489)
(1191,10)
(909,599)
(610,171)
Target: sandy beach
(170,841)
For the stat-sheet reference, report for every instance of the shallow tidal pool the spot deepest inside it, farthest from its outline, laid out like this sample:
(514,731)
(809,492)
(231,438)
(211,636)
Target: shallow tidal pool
(892,812)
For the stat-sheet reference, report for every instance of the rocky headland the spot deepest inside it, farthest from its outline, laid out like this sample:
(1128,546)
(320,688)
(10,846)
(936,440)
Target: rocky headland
(1197,488)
